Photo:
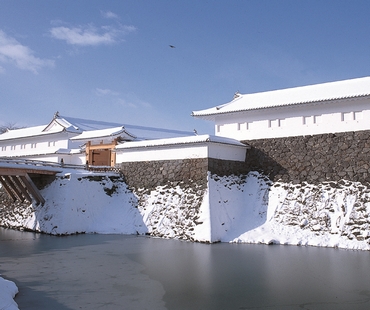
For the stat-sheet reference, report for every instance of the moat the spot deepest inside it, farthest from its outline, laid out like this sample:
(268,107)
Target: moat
(134,272)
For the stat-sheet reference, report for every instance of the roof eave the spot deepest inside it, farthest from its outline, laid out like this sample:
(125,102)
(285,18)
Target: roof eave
(211,115)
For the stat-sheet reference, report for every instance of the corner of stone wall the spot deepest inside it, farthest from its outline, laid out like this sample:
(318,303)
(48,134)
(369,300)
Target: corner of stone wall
(174,194)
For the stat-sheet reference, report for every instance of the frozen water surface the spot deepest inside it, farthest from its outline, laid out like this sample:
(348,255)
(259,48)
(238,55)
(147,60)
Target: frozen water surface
(128,272)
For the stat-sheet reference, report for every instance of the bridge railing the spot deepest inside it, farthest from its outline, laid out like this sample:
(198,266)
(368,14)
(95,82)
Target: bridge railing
(41,163)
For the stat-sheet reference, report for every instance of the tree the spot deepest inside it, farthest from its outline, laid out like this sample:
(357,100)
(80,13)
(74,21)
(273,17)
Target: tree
(8,126)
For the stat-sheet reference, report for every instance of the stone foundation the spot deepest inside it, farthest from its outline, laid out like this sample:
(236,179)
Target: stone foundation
(150,174)
(312,159)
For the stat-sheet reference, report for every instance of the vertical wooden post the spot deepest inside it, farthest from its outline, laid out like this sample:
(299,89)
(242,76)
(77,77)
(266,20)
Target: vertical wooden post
(87,150)
(113,154)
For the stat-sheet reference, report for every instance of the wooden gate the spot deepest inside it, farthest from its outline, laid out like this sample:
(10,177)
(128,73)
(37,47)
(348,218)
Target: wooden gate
(100,157)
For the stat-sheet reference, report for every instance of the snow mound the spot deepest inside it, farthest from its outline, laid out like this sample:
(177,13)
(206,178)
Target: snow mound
(8,290)
(81,203)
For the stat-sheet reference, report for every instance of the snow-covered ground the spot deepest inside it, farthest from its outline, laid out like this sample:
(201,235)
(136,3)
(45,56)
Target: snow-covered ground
(80,202)
(8,290)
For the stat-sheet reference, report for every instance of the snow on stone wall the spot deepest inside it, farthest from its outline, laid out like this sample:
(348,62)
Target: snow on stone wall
(336,208)
(329,214)
(174,211)
(247,208)
(237,204)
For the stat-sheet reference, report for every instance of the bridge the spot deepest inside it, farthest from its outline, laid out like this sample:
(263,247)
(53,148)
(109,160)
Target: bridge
(16,181)
(16,176)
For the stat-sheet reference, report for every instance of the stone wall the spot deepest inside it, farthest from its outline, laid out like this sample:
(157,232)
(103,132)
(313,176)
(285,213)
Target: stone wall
(9,211)
(226,167)
(149,174)
(314,159)
(170,193)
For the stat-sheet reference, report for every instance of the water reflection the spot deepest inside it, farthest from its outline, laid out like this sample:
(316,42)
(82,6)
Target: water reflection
(237,276)
(128,272)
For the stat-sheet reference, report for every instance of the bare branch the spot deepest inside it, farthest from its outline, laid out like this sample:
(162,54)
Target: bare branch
(8,126)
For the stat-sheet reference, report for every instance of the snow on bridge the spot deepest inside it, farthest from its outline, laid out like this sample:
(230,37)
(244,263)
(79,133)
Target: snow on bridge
(16,181)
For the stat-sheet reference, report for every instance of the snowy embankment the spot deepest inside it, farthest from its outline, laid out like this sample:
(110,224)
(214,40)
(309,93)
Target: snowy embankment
(249,209)
(331,214)
(8,290)
(245,209)
(80,202)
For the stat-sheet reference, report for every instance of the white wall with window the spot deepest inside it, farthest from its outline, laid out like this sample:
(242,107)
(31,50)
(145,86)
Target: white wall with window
(302,119)
(37,145)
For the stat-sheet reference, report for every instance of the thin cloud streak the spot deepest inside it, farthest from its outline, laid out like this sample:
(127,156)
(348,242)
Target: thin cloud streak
(105,92)
(109,14)
(130,101)
(126,104)
(90,35)
(133,103)
(11,51)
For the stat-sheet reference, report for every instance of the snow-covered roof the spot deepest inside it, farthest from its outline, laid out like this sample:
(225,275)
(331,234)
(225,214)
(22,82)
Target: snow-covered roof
(180,140)
(92,129)
(104,133)
(140,132)
(68,151)
(26,132)
(292,96)
(62,123)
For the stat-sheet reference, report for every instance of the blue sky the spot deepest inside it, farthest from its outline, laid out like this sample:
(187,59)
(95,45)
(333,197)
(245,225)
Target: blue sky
(111,60)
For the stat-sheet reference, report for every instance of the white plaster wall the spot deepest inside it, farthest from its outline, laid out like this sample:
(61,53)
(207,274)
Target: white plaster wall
(74,159)
(34,145)
(305,119)
(160,153)
(183,151)
(227,152)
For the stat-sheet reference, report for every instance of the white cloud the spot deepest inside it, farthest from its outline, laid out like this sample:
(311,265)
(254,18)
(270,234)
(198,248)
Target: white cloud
(130,100)
(127,104)
(105,92)
(11,51)
(90,35)
(109,14)
(134,103)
